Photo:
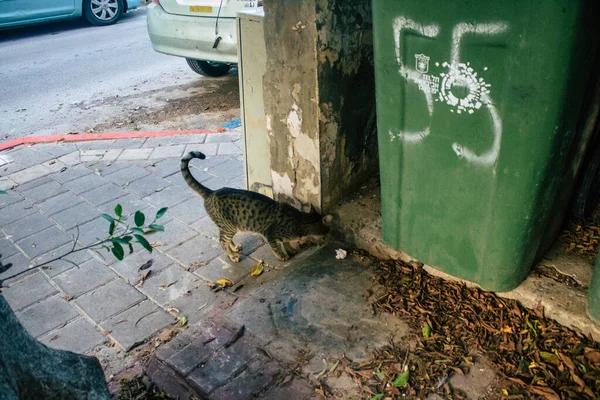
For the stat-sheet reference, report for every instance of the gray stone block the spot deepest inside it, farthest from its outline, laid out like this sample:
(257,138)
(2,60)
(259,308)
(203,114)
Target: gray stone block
(250,383)
(79,280)
(176,232)
(198,302)
(203,345)
(103,194)
(193,138)
(7,248)
(128,143)
(147,185)
(222,268)
(72,173)
(27,291)
(107,167)
(29,156)
(95,144)
(129,268)
(175,151)
(108,300)
(59,149)
(207,227)
(43,189)
(135,154)
(169,285)
(229,170)
(216,183)
(222,137)
(19,263)
(27,226)
(78,336)
(189,211)
(130,203)
(7,184)
(90,232)
(59,266)
(209,149)
(44,241)
(134,326)
(197,249)
(11,197)
(169,197)
(85,183)
(164,168)
(59,203)
(158,141)
(229,149)
(16,211)
(29,174)
(209,162)
(46,315)
(124,176)
(223,366)
(76,215)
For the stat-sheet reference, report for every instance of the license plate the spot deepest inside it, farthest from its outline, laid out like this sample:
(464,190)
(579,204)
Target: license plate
(201,9)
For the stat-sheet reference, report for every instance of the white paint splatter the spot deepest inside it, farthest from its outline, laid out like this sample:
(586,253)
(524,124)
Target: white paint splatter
(294,121)
(282,184)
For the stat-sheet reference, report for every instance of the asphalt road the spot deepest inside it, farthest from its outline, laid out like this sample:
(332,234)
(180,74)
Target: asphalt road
(70,76)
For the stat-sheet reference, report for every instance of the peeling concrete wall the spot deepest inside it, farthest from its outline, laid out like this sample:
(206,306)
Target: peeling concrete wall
(319,99)
(347,124)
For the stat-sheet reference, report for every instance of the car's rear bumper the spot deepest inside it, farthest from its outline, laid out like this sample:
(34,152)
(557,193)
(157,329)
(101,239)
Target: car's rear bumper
(191,37)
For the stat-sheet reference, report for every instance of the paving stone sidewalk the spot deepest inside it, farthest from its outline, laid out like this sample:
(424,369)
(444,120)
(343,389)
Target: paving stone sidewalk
(56,190)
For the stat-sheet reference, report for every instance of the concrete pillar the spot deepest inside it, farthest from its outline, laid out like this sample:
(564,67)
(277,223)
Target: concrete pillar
(319,98)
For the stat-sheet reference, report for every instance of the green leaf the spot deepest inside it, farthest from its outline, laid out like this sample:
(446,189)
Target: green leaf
(127,238)
(130,248)
(157,227)
(137,230)
(120,241)
(141,240)
(548,356)
(71,262)
(108,218)
(426,331)
(139,218)
(111,229)
(118,210)
(183,320)
(117,250)
(402,379)
(377,396)
(161,212)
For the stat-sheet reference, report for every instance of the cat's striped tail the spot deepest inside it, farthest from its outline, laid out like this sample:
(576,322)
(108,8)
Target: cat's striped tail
(187,175)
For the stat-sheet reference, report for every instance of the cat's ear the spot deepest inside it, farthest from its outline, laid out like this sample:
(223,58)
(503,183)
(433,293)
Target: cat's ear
(327,220)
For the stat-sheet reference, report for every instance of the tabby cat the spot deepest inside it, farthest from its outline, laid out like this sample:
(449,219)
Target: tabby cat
(235,210)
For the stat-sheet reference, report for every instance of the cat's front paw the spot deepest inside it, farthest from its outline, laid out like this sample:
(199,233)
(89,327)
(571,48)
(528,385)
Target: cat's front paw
(237,248)
(281,257)
(234,258)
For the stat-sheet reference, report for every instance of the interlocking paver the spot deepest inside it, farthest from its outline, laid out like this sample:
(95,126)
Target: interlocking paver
(19,263)
(165,168)
(11,168)
(75,215)
(46,315)
(124,176)
(184,139)
(96,144)
(222,268)
(59,266)
(229,149)
(79,280)
(189,211)
(70,159)
(250,382)
(135,154)
(77,336)
(169,284)
(104,194)
(91,156)
(209,149)
(108,300)
(175,233)
(216,183)
(27,226)
(128,143)
(29,174)
(197,249)
(30,156)
(222,138)
(158,141)
(11,197)
(203,344)
(72,173)
(6,183)
(207,227)
(85,183)
(147,185)
(229,170)
(130,203)
(112,155)
(92,232)
(135,325)
(129,268)
(44,241)
(60,202)
(27,291)
(198,302)
(169,196)
(7,248)
(175,151)
(43,189)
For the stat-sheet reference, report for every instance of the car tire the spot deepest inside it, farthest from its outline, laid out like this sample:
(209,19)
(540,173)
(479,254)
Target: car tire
(208,68)
(103,12)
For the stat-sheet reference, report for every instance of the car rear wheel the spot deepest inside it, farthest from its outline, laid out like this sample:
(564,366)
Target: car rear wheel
(102,12)
(208,68)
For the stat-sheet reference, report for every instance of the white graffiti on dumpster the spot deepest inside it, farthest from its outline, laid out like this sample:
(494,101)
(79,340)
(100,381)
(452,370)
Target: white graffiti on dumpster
(458,74)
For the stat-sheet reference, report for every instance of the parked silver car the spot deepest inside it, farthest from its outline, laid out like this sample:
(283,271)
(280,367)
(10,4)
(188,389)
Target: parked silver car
(201,31)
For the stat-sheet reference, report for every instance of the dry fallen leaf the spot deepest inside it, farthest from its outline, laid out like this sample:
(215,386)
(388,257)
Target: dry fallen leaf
(157,244)
(142,278)
(197,264)
(224,282)
(258,269)
(164,286)
(105,333)
(68,298)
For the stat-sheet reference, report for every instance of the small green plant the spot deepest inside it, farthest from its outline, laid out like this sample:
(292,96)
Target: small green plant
(120,236)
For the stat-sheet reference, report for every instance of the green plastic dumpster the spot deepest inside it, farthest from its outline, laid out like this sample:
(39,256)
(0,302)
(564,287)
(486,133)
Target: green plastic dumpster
(477,105)
(593,306)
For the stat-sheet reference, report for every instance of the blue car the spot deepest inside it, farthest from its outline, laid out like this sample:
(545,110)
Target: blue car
(15,13)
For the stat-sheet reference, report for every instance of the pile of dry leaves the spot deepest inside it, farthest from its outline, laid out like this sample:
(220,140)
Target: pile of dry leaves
(536,356)
(583,237)
(139,388)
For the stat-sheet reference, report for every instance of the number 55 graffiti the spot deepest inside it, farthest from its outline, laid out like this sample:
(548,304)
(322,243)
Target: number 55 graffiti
(458,74)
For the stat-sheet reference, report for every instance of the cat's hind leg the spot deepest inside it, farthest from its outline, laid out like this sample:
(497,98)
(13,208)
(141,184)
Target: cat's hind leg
(236,248)
(275,246)
(225,240)
(289,249)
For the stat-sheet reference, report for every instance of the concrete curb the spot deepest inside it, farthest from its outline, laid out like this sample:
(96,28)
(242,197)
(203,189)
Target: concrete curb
(101,136)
